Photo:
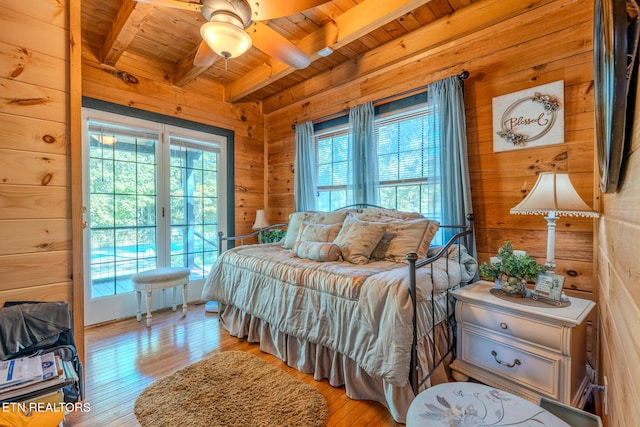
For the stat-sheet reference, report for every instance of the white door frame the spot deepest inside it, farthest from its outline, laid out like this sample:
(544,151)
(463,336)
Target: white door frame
(107,308)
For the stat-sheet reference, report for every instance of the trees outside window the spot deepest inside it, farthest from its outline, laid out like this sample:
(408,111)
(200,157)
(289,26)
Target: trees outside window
(153,200)
(408,163)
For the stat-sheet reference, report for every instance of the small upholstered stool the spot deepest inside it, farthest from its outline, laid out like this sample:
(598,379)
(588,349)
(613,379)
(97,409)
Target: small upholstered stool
(160,278)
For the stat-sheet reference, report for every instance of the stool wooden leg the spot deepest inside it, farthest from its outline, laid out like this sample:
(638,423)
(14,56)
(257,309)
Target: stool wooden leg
(175,293)
(139,301)
(184,299)
(149,309)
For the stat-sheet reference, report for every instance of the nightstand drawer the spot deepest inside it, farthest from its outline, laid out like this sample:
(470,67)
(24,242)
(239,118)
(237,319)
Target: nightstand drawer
(540,333)
(538,371)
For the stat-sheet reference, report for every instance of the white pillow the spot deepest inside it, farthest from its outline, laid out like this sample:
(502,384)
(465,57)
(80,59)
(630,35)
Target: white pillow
(295,221)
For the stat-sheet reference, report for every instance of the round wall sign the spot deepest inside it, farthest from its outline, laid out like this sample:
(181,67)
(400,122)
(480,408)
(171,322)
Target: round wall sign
(529,118)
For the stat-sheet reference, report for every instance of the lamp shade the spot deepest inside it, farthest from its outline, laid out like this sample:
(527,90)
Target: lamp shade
(553,193)
(226,39)
(261,220)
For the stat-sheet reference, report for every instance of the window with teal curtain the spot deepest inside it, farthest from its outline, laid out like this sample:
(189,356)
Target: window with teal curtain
(409,161)
(409,166)
(363,176)
(422,157)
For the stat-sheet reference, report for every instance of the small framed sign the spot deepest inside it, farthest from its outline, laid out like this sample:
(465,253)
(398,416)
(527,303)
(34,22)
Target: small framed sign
(549,287)
(529,118)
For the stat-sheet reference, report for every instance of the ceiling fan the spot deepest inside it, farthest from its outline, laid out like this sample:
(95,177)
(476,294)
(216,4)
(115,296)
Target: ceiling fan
(233,26)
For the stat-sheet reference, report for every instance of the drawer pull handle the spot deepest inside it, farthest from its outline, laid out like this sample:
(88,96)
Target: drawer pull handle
(508,365)
(503,325)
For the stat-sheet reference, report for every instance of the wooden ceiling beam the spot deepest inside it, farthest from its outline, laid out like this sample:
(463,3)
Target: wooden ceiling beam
(185,71)
(124,28)
(410,48)
(346,28)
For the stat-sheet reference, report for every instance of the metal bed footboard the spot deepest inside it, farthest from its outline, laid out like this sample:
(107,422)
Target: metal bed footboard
(464,236)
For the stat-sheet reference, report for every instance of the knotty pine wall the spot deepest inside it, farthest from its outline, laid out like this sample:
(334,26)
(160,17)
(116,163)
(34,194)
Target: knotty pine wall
(619,288)
(35,167)
(552,41)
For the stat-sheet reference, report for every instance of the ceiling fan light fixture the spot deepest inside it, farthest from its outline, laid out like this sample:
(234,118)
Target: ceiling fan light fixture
(226,39)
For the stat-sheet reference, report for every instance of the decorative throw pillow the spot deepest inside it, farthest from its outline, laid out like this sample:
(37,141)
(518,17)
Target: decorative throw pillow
(404,236)
(297,218)
(317,251)
(295,221)
(333,217)
(357,239)
(384,214)
(318,232)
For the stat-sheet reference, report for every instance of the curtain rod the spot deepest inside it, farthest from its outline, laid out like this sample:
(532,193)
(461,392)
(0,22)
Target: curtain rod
(463,76)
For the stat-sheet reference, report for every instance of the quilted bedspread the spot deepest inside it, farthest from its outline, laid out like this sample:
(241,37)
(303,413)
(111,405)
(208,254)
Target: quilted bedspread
(362,311)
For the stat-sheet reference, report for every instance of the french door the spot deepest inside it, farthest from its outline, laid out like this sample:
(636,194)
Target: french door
(154,196)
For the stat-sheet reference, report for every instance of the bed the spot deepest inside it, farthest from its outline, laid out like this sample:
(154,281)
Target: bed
(337,298)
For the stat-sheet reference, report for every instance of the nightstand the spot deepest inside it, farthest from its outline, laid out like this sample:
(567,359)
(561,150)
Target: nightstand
(527,350)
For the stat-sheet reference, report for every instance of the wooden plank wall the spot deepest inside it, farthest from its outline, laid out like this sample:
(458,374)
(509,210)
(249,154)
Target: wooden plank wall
(35,216)
(140,84)
(619,289)
(550,42)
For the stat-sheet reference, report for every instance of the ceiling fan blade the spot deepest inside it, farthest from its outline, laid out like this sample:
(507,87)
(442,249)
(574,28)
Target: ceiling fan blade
(278,8)
(176,4)
(275,45)
(205,56)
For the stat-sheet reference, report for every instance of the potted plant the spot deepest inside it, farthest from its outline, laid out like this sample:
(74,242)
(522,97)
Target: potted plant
(272,235)
(512,270)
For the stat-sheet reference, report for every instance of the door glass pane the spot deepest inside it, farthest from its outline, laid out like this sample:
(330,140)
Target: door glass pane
(122,200)
(194,205)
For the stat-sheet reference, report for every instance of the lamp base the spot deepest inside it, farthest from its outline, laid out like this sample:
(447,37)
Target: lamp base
(551,240)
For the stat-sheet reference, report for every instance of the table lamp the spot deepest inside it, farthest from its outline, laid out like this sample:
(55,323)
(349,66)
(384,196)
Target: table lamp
(553,195)
(261,220)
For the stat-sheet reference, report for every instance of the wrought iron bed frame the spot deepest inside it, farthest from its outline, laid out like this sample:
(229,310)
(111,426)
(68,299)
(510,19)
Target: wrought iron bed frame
(465,235)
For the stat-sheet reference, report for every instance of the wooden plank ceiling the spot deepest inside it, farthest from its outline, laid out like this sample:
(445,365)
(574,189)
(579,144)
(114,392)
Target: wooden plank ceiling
(168,38)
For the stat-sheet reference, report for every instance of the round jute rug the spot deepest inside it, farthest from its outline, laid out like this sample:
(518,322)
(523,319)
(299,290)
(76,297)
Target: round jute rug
(231,388)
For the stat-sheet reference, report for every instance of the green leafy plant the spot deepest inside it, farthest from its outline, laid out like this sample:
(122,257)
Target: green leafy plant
(272,235)
(510,265)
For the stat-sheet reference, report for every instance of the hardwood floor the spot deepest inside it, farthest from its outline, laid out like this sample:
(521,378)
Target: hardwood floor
(124,357)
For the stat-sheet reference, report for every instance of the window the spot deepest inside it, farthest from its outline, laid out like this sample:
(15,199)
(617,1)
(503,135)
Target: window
(154,193)
(122,205)
(333,169)
(194,203)
(408,162)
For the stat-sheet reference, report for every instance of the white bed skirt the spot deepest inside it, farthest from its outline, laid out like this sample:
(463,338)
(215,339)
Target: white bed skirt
(339,369)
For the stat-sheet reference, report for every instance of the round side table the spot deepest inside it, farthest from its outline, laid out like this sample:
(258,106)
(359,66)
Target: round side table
(472,404)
